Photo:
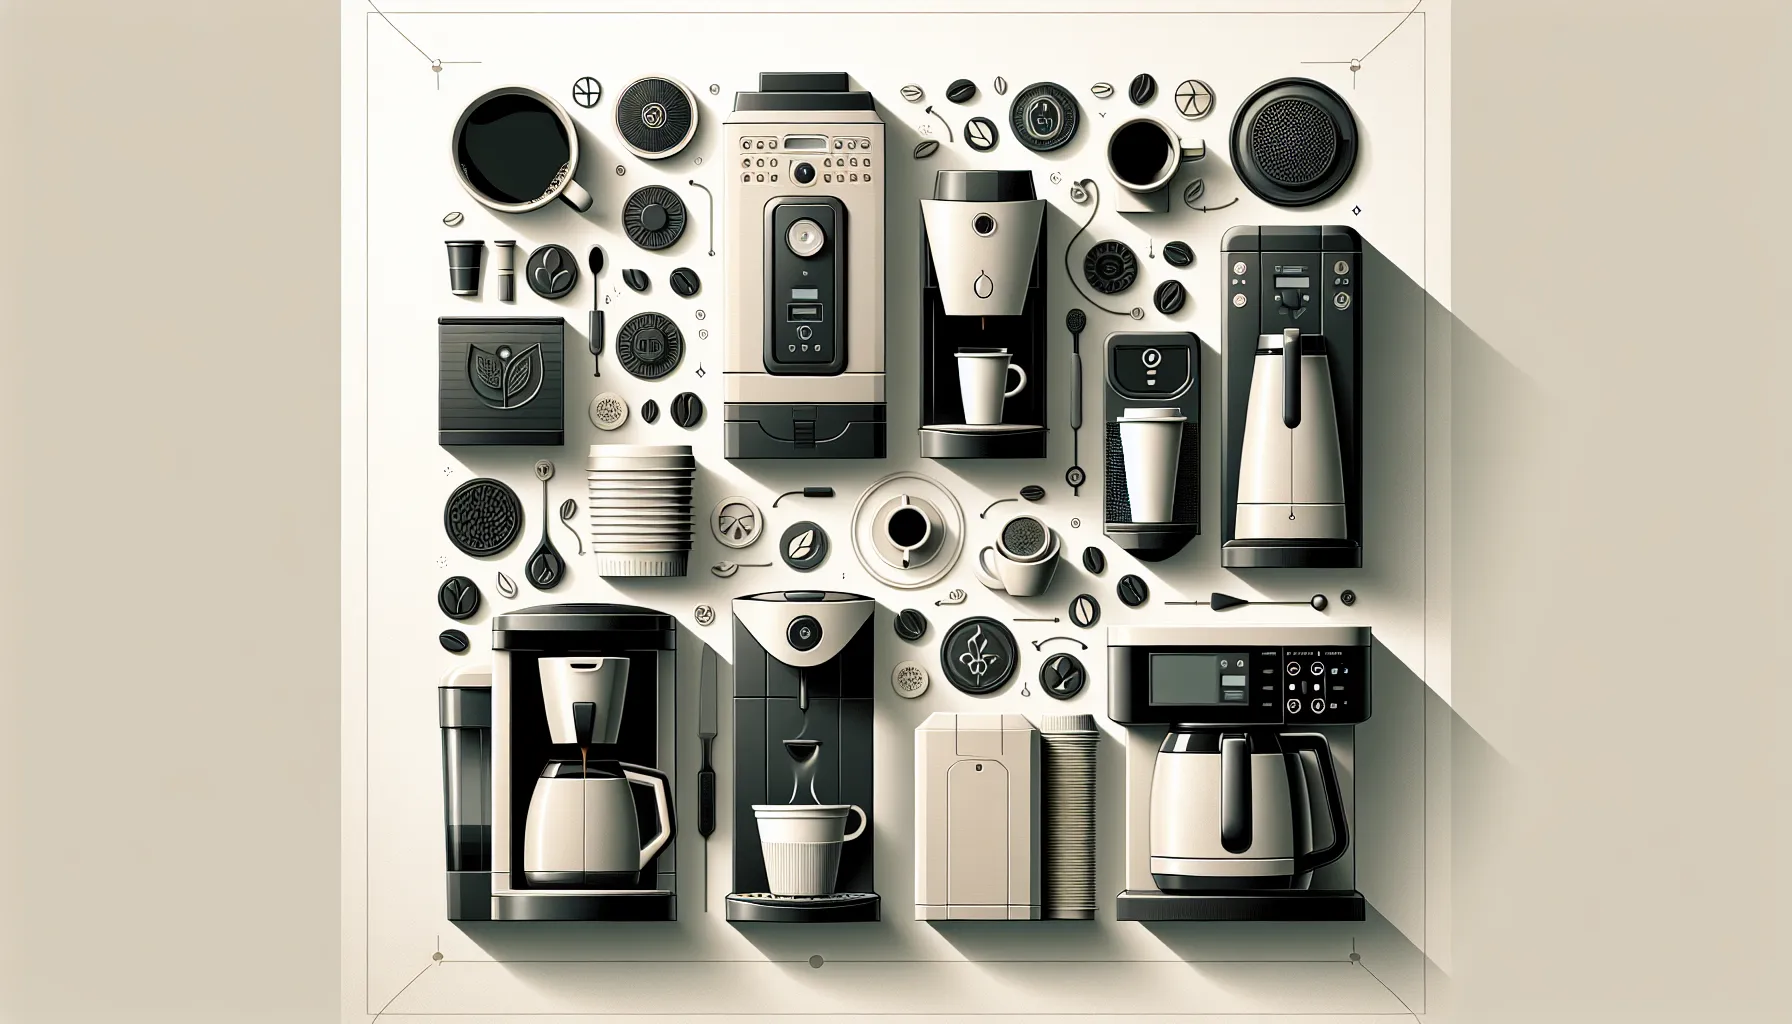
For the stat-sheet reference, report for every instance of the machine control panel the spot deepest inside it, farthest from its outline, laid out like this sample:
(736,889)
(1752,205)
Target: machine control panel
(1161,680)
(805,258)
(1162,368)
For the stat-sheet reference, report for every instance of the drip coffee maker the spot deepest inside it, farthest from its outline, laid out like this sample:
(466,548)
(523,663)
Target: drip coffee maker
(803,741)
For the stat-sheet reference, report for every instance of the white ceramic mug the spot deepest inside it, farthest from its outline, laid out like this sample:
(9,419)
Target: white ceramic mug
(801,845)
(1143,154)
(1151,447)
(507,161)
(1020,573)
(982,375)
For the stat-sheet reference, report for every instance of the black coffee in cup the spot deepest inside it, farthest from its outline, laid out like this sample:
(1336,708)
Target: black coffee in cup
(907,527)
(513,148)
(1138,153)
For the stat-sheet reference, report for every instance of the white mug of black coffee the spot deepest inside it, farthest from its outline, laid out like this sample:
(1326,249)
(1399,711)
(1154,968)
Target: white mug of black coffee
(1143,155)
(515,150)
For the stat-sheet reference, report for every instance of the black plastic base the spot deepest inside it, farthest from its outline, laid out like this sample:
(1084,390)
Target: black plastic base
(1248,554)
(948,444)
(646,905)
(760,908)
(469,896)
(1151,542)
(544,438)
(804,432)
(1305,905)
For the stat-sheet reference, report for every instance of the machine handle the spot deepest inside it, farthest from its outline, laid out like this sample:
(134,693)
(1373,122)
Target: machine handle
(706,795)
(1334,799)
(662,803)
(1291,378)
(1076,383)
(1235,793)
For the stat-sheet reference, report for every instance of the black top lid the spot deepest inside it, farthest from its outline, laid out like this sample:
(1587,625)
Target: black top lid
(803,90)
(984,186)
(1288,238)
(583,618)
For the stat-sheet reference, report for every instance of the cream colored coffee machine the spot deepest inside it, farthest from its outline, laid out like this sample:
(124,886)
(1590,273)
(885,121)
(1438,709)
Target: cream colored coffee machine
(804,225)
(977,818)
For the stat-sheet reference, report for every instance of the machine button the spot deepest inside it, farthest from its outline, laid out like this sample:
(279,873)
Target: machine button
(839,143)
(1341,300)
(746,143)
(1238,300)
(1318,668)
(804,632)
(1239,267)
(1318,705)
(1294,704)
(805,332)
(1294,668)
(1341,267)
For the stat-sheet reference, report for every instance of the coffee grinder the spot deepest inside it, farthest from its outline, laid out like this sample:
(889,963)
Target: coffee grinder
(567,763)
(983,310)
(804,226)
(1292,350)
(804,663)
(1234,806)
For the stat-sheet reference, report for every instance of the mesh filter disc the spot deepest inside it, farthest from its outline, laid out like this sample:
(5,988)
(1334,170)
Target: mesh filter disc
(1294,141)
(656,117)
(483,517)
(1024,536)
(653,217)
(649,346)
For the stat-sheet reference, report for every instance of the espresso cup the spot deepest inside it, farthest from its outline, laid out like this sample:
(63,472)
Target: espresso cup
(515,150)
(801,844)
(1023,559)
(982,376)
(906,532)
(1151,447)
(1143,155)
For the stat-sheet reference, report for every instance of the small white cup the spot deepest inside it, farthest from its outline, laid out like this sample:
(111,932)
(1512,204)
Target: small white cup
(982,375)
(801,845)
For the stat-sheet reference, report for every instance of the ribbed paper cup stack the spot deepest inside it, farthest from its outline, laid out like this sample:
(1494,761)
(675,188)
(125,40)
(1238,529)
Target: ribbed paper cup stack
(640,506)
(1069,853)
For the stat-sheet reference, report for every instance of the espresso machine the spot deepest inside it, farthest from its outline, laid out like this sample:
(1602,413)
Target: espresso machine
(804,665)
(1239,814)
(559,802)
(983,313)
(1151,442)
(1292,350)
(804,226)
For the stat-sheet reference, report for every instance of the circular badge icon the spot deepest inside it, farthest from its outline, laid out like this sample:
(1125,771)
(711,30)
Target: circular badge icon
(978,655)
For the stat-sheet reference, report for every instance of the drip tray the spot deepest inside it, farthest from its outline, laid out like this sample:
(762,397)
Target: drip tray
(765,908)
(587,905)
(1303,905)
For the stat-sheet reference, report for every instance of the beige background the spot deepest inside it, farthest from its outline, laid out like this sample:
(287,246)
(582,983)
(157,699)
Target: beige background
(168,738)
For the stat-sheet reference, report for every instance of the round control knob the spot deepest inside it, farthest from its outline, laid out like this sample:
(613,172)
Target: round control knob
(805,238)
(804,173)
(804,632)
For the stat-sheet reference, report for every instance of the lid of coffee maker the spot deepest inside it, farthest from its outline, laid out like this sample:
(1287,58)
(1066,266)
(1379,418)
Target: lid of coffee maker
(624,626)
(984,186)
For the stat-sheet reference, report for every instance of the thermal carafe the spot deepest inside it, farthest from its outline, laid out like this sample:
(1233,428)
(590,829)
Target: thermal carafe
(1291,473)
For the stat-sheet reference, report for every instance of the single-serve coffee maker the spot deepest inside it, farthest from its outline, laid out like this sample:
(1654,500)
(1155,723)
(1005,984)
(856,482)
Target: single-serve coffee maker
(559,805)
(1292,350)
(804,664)
(1151,460)
(804,226)
(1144,156)
(983,312)
(1239,812)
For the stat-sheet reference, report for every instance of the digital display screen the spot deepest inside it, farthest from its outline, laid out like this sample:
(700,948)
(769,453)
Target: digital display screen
(1292,282)
(809,294)
(806,142)
(1198,679)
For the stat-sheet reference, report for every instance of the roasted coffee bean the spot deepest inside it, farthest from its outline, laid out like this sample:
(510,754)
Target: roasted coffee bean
(1132,591)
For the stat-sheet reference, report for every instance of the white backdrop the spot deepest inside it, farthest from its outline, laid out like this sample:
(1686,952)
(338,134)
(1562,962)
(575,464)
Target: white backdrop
(402,956)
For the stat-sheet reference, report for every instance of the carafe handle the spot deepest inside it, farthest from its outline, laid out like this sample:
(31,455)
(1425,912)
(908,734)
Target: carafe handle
(1291,378)
(1294,743)
(662,803)
(1235,793)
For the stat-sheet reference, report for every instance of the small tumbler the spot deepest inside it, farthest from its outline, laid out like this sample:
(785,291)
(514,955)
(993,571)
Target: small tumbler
(463,266)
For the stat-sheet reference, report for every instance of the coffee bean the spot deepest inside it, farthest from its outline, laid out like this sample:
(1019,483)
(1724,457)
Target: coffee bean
(1178,254)
(687,409)
(1102,90)
(961,91)
(1142,89)
(635,279)
(911,625)
(685,282)
(453,641)
(1169,297)
(453,218)
(1094,560)
(926,148)
(1132,591)
(650,411)
(1001,85)
(913,93)
(981,135)
(1085,611)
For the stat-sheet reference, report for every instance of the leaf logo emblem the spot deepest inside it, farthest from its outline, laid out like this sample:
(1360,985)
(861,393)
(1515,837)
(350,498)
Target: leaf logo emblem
(802,545)
(506,585)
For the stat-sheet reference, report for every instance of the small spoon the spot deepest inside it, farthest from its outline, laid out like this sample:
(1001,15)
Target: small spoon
(545,566)
(725,568)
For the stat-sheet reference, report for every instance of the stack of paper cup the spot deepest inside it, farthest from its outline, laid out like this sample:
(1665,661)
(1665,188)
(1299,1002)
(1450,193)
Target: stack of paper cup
(640,498)
(1151,446)
(1069,839)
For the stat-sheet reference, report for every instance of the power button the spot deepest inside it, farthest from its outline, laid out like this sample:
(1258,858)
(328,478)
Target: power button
(1293,704)
(1318,704)
(803,633)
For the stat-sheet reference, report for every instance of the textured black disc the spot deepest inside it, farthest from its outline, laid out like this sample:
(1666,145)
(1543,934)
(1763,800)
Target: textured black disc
(656,117)
(483,517)
(1044,116)
(1169,297)
(649,346)
(1178,254)
(653,217)
(978,655)
(1110,267)
(458,597)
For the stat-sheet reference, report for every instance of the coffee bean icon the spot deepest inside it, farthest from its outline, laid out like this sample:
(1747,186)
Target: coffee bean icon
(981,135)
